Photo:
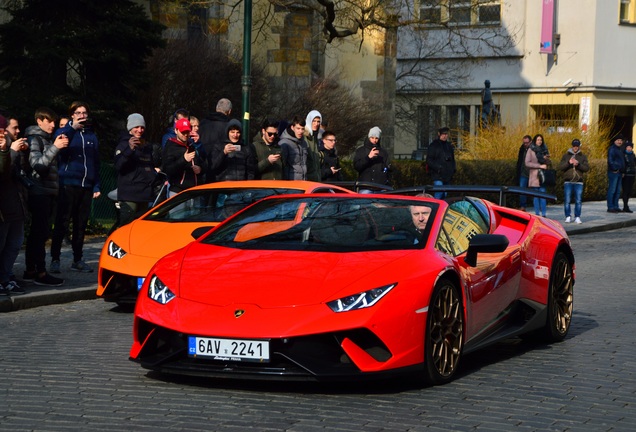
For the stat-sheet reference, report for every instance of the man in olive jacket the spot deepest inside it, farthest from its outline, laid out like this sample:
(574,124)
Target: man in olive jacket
(573,165)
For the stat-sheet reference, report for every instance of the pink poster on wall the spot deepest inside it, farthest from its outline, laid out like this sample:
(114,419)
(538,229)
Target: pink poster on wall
(547,27)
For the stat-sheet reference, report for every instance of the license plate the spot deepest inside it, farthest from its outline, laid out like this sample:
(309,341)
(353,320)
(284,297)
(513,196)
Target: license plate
(229,349)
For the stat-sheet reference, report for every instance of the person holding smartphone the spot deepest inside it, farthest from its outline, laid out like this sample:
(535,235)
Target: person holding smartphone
(233,159)
(135,167)
(371,160)
(180,161)
(79,185)
(43,194)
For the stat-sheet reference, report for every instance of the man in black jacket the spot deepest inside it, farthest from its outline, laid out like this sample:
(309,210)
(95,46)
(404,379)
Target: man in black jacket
(233,159)
(12,210)
(212,133)
(180,161)
(135,168)
(440,161)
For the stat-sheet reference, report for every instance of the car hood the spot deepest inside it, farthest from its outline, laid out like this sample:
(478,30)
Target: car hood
(270,279)
(156,239)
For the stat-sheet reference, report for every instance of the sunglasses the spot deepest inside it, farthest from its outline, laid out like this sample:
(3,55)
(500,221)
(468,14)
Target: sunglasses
(271,134)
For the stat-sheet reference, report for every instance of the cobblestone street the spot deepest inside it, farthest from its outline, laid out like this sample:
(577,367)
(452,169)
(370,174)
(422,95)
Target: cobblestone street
(65,367)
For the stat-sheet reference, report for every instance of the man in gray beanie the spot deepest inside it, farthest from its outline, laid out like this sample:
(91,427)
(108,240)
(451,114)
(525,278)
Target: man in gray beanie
(136,173)
(135,120)
(371,160)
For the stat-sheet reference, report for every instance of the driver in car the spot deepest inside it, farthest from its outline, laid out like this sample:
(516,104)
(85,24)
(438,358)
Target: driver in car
(419,215)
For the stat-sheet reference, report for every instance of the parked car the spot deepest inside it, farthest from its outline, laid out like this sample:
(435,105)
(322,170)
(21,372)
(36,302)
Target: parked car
(131,251)
(339,287)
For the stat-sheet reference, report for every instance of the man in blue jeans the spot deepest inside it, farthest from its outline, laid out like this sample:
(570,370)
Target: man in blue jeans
(574,165)
(615,168)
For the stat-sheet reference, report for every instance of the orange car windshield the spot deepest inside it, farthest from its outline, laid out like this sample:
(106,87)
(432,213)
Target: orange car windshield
(211,205)
(328,224)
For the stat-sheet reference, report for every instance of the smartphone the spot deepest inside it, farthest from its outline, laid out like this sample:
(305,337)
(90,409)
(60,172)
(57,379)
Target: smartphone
(237,147)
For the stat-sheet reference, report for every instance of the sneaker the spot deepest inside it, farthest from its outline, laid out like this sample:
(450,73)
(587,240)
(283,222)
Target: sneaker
(29,275)
(48,280)
(578,220)
(627,210)
(55,267)
(81,266)
(20,282)
(14,288)
(3,291)
(568,219)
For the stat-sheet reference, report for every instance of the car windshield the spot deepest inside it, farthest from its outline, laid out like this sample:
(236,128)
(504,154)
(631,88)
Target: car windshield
(211,205)
(328,224)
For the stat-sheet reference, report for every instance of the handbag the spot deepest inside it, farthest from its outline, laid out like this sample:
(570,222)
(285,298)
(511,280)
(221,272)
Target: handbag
(547,177)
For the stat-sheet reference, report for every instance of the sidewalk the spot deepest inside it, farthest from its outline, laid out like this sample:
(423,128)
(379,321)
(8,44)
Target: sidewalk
(82,286)
(77,286)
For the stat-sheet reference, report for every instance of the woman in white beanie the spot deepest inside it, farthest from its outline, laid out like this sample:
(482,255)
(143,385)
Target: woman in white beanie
(136,172)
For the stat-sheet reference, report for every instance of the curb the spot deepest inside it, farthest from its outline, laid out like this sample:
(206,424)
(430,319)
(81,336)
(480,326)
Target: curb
(45,298)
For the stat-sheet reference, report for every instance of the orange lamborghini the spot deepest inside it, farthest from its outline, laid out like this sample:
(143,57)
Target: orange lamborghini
(131,251)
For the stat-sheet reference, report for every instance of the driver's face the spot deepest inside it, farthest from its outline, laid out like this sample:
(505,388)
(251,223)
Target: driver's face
(420,216)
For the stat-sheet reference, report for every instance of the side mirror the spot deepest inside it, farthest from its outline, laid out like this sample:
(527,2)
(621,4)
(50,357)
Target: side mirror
(200,231)
(485,243)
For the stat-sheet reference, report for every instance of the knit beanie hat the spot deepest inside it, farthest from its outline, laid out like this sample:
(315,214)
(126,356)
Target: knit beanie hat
(375,132)
(3,122)
(135,120)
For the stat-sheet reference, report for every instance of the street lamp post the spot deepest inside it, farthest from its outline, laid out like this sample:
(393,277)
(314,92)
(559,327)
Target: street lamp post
(246,79)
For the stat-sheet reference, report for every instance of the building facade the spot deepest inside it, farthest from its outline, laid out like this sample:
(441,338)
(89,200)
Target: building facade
(583,74)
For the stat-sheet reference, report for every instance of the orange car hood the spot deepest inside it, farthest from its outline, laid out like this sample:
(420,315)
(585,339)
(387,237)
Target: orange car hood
(271,279)
(156,239)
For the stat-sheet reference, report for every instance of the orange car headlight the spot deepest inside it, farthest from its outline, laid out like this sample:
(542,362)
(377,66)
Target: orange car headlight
(361,300)
(115,251)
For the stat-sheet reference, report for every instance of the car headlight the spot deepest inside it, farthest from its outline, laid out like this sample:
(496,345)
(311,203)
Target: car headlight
(158,291)
(115,250)
(361,300)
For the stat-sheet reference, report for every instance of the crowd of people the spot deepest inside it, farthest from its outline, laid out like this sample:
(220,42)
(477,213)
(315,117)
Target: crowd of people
(51,175)
(534,159)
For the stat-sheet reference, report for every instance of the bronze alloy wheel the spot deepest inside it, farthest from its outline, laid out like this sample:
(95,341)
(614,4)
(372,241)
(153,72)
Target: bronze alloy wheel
(560,301)
(445,333)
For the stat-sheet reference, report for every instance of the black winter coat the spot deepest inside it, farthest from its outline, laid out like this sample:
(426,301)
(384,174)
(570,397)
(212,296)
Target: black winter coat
(179,171)
(136,173)
(440,160)
(329,159)
(374,170)
(211,135)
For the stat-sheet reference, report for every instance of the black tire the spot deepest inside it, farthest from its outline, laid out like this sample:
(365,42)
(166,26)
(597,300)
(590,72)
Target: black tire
(560,300)
(444,333)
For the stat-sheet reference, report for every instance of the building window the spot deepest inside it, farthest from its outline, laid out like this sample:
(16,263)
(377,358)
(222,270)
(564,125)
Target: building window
(460,12)
(429,119)
(628,12)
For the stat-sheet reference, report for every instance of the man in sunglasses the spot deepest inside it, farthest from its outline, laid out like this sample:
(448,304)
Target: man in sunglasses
(268,152)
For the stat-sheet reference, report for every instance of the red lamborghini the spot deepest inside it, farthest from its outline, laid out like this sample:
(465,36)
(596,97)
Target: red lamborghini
(334,287)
